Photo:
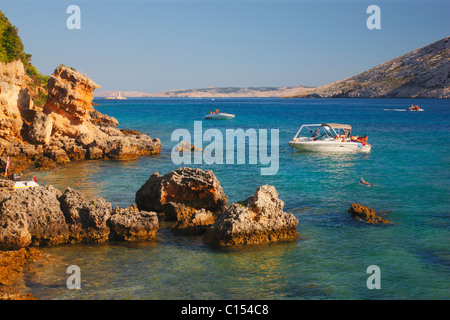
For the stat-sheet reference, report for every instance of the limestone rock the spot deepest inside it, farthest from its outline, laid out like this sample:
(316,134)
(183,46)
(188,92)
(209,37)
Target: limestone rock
(6,186)
(130,224)
(68,128)
(87,219)
(190,187)
(194,224)
(259,219)
(367,214)
(41,128)
(32,216)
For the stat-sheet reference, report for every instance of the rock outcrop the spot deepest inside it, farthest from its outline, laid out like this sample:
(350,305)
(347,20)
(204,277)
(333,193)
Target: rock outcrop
(196,224)
(257,220)
(180,193)
(15,99)
(42,216)
(422,73)
(67,128)
(366,214)
(87,220)
(32,217)
(130,224)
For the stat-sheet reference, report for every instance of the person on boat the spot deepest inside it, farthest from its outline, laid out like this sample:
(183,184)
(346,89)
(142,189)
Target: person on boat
(363,140)
(217,111)
(363,182)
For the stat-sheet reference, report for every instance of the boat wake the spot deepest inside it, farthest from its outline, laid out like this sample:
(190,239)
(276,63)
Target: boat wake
(394,109)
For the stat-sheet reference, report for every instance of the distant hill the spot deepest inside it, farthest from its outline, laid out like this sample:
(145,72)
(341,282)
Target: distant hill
(212,92)
(422,73)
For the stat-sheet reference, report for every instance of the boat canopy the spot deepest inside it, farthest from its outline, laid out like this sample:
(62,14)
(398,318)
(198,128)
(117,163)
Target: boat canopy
(337,126)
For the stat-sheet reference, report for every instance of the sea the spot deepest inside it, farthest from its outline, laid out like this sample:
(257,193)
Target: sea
(336,256)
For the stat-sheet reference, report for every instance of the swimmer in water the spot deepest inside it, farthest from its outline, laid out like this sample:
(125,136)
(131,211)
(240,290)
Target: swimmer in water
(363,182)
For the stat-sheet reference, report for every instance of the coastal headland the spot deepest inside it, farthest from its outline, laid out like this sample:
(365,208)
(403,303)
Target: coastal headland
(66,128)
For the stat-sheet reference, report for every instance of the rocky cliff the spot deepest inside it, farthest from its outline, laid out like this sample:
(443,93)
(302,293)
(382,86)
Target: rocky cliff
(422,73)
(15,100)
(66,128)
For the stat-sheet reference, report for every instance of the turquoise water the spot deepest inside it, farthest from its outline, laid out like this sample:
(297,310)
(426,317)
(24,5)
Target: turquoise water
(409,164)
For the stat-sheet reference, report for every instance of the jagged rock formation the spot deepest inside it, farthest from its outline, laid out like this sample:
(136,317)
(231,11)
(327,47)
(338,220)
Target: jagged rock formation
(67,128)
(182,192)
(130,224)
(257,220)
(45,216)
(422,73)
(15,100)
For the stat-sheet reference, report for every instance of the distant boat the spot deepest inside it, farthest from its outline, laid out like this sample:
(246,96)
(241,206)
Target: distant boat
(118,97)
(216,115)
(414,108)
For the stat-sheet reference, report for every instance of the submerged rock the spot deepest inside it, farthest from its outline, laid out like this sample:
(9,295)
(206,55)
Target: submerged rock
(363,213)
(12,266)
(259,219)
(182,190)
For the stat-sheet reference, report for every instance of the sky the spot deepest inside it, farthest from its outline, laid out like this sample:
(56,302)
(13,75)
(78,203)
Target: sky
(158,45)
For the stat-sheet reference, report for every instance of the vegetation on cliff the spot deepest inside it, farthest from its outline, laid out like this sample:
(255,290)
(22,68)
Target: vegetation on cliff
(11,49)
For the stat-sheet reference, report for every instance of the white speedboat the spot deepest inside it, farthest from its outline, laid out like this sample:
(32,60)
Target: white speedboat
(219,115)
(328,137)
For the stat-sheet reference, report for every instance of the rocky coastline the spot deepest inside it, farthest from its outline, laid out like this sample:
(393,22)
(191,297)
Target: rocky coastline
(66,128)
(191,198)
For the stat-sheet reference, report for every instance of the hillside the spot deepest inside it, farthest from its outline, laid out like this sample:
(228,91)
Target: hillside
(212,92)
(422,73)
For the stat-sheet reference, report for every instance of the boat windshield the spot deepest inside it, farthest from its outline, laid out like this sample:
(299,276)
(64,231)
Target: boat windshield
(323,131)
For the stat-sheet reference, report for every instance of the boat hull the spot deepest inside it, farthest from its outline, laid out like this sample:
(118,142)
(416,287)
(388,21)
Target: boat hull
(220,116)
(25,184)
(329,146)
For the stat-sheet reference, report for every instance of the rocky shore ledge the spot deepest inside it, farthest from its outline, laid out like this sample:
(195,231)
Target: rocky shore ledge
(66,128)
(192,198)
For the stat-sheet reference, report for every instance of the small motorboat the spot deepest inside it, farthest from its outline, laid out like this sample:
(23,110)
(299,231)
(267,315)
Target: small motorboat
(328,137)
(19,184)
(25,184)
(216,115)
(414,108)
